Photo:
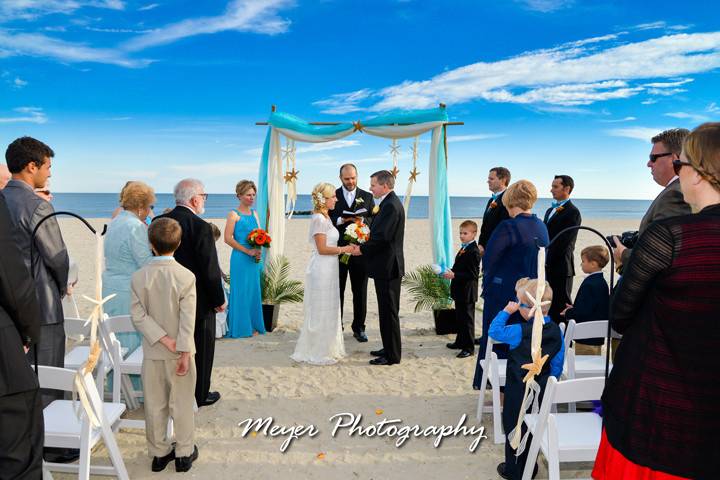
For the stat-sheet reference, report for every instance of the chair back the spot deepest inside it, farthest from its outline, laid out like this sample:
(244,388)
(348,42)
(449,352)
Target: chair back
(76,327)
(585,330)
(56,378)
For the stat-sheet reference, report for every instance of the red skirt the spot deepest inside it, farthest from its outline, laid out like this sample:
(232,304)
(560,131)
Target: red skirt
(612,465)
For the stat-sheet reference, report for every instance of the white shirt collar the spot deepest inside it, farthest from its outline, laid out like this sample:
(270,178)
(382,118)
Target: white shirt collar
(189,208)
(672,180)
(378,201)
(162,258)
(595,273)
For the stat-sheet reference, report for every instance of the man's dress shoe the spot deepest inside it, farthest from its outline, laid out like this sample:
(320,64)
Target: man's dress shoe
(378,353)
(464,354)
(183,464)
(159,463)
(453,346)
(360,337)
(211,398)
(381,361)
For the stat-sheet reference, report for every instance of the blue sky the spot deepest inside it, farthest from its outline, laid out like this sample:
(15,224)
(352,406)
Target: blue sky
(158,90)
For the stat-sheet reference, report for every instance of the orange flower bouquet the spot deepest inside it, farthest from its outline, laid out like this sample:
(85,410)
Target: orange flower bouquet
(356,233)
(259,238)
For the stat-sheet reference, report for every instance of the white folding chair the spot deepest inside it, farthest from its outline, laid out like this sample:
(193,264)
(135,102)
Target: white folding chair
(564,437)
(79,329)
(123,365)
(63,429)
(582,366)
(493,370)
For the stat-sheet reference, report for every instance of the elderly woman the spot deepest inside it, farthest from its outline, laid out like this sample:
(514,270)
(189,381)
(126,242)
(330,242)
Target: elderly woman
(126,250)
(660,404)
(510,254)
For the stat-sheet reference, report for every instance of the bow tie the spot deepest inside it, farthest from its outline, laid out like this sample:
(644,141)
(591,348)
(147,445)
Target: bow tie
(464,245)
(558,204)
(495,196)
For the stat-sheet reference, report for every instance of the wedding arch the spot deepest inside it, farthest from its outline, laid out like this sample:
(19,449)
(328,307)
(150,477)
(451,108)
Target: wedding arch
(395,125)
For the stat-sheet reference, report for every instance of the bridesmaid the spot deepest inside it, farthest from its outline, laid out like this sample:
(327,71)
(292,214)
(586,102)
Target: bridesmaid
(245,303)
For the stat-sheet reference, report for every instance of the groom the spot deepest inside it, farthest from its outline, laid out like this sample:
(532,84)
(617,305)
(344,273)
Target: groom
(385,263)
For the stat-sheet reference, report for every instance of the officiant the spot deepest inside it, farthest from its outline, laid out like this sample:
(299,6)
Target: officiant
(353,203)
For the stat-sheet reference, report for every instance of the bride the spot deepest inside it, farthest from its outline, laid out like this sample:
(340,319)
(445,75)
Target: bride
(321,339)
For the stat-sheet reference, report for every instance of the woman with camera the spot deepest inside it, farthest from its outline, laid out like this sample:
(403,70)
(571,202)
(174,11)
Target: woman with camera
(660,402)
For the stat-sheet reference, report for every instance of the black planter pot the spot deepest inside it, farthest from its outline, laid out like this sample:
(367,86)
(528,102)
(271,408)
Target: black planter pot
(445,322)
(270,316)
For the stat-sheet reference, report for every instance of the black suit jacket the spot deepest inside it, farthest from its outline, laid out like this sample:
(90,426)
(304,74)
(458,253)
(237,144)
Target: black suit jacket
(19,312)
(560,259)
(197,253)
(491,218)
(367,202)
(384,251)
(592,302)
(464,287)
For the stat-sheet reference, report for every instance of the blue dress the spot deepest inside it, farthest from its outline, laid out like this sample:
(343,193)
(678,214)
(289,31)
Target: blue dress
(510,254)
(245,303)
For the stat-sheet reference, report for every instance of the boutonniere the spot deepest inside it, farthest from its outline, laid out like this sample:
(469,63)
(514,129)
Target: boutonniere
(493,204)
(359,201)
(375,209)
(462,250)
(559,209)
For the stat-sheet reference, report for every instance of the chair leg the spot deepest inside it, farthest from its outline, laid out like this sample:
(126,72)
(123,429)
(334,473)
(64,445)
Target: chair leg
(498,435)
(46,475)
(552,453)
(116,376)
(481,398)
(113,450)
(129,392)
(84,464)
(531,458)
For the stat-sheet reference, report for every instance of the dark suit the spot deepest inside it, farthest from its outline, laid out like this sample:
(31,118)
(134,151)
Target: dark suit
(560,259)
(386,266)
(197,253)
(592,302)
(50,271)
(21,420)
(491,218)
(669,203)
(356,266)
(464,290)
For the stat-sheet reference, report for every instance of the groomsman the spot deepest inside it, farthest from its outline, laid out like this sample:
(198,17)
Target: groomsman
(352,203)
(495,212)
(560,259)
(197,253)
(386,263)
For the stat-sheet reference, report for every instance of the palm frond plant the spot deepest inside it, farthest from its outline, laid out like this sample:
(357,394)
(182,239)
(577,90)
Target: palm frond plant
(276,285)
(427,289)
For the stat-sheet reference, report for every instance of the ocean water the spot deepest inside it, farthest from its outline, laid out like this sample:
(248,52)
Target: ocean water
(101,205)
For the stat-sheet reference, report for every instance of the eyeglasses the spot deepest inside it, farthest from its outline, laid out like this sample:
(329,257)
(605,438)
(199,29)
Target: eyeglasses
(524,305)
(203,195)
(678,164)
(655,156)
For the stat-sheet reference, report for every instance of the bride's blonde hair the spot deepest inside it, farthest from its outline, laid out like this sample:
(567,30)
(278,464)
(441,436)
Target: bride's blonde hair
(321,192)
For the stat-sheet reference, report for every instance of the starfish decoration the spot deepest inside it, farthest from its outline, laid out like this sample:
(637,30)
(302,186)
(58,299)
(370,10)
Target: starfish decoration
(394,149)
(413,174)
(291,175)
(535,367)
(98,305)
(395,171)
(288,151)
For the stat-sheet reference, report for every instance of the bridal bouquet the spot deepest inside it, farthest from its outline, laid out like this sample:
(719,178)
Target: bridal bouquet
(259,238)
(356,233)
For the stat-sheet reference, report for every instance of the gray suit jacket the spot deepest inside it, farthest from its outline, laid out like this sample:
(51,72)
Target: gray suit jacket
(163,303)
(51,262)
(668,203)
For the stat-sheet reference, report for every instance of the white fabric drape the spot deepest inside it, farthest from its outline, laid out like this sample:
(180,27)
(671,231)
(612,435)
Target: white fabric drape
(276,220)
(435,143)
(401,131)
(303,137)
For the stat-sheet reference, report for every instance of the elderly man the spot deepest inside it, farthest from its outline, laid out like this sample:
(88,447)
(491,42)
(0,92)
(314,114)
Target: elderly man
(667,147)
(197,253)
(29,161)
(4,176)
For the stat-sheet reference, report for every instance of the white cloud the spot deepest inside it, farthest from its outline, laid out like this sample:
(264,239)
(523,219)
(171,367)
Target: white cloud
(620,120)
(256,16)
(688,116)
(19,82)
(474,137)
(322,147)
(37,45)
(713,108)
(31,9)
(27,115)
(567,75)
(151,6)
(546,6)
(636,133)
(649,101)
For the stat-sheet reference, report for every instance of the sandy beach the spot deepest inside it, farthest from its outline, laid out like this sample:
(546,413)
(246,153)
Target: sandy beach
(257,379)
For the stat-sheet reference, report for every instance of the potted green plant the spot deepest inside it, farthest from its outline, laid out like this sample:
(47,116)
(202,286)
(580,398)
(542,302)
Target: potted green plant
(277,288)
(430,291)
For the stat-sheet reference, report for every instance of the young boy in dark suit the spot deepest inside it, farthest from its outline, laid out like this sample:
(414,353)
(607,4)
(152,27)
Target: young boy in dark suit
(592,301)
(464,288)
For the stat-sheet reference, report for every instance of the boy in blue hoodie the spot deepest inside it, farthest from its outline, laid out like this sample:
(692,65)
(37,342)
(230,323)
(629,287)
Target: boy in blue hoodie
(518,336)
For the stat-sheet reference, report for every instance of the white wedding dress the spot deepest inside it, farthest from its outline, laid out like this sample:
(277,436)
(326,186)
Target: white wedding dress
(321,339)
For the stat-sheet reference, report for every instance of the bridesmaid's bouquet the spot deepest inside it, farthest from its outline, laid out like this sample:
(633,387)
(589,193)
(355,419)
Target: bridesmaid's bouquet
(259,238)
(356,233)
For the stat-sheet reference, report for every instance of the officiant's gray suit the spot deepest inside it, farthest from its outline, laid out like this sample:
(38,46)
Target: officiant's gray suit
(50,270)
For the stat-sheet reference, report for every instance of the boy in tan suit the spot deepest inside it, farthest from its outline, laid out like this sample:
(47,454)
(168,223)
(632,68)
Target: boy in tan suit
(163,310)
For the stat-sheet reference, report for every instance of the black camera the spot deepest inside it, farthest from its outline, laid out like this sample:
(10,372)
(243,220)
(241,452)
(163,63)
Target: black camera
(628,239)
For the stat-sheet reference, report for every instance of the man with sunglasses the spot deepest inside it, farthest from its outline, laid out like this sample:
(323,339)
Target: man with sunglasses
(667,147)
